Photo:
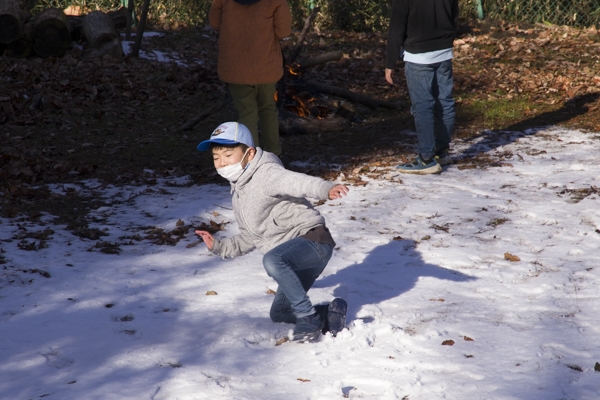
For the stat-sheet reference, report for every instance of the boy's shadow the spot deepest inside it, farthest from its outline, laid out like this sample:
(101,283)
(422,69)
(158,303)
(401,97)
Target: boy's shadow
(387,272)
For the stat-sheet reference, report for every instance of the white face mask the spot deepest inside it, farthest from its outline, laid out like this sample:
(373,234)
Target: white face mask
(233,172)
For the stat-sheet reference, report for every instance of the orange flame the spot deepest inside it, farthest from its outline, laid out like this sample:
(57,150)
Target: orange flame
(293,69)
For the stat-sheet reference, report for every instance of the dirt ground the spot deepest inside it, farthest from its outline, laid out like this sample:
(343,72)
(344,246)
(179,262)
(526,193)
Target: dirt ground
(117,120)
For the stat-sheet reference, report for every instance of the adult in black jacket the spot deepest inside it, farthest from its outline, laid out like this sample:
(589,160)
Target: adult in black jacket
(424,31)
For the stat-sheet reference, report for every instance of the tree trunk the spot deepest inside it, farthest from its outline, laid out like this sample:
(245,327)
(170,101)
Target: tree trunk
(11,21)
(129,20)
(98,29)
(51,33)
(140,30)
(23,46)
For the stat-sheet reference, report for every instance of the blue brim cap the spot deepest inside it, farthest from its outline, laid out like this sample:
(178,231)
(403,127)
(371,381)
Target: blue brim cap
(203,146)
(227,134)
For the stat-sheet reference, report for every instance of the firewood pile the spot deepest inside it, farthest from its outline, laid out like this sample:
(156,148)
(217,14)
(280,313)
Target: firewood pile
(52,32)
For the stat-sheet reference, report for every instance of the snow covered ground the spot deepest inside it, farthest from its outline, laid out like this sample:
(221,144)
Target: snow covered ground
(473,284)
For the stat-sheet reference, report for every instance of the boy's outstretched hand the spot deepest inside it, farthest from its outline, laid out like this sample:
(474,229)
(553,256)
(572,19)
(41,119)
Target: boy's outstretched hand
(207,238)
(338,191)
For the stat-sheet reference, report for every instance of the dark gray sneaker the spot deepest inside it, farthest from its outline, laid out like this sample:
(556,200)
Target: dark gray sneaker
(420,167)
(308,329)
(336,316)
(443,158)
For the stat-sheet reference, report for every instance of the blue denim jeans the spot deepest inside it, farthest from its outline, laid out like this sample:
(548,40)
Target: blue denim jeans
(295,265)
(430,90)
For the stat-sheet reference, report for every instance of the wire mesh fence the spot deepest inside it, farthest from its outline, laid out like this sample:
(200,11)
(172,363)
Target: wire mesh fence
(363,15)
(581,13)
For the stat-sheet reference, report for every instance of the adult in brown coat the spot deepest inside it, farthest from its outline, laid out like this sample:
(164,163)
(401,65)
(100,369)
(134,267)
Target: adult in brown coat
(250,61)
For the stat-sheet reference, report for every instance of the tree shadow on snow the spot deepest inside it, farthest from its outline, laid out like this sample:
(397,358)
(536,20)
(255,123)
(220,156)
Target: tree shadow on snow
(388,271)
(491,139)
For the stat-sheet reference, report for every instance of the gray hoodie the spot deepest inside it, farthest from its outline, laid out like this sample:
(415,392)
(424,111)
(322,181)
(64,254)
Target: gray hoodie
(270,206)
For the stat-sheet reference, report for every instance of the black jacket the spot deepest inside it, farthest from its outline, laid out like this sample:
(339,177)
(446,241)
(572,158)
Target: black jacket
(421,26)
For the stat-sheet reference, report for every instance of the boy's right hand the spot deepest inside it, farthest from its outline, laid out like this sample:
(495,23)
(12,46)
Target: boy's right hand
(338,191)
(207,238)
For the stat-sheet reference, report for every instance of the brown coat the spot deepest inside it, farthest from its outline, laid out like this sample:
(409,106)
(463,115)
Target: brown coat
(249,49)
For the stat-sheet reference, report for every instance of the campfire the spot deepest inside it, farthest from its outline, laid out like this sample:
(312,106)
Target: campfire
(305,106)
(301,102)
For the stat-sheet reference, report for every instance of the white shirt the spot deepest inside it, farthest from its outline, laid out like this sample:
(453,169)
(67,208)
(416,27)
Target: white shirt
(430,57)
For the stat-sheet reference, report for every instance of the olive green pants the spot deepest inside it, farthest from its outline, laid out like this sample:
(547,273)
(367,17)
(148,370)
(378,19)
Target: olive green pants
(255,104)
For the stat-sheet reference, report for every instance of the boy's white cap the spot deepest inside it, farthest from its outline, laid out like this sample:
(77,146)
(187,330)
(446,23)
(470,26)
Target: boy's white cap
(228,133)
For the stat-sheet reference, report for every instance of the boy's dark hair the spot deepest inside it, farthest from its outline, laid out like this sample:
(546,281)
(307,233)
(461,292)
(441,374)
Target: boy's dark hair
(219,146)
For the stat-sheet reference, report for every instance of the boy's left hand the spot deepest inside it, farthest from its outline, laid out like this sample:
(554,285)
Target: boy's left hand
(207,238)
(338,191)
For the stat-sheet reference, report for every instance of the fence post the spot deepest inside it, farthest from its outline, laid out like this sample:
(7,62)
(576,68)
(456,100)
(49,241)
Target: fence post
(479,9)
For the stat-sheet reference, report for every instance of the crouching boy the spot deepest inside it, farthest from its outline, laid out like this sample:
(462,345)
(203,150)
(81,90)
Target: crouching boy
(275,217)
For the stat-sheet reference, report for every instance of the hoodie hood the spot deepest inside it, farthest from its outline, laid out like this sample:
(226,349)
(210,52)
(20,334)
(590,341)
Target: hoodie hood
(260,158)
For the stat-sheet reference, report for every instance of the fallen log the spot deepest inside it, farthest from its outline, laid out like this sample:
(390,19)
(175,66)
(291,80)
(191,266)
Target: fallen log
(23,46)
(98,29)
(51,33)
(12,20)
(354,97)
(297,125)
(118,17)
(225,102)
(320,59)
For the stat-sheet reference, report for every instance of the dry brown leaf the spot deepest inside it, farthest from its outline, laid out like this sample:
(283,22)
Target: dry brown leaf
(398,238)
(511,258)
(211,293)
(271,291)
(448,342)
(303,380)
(434,299)
(282,341)
(468,339)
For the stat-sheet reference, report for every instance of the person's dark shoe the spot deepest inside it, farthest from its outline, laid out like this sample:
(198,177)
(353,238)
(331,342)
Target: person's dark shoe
(308,329)
(336,316)
(322,310)
(420,167)
(443,158)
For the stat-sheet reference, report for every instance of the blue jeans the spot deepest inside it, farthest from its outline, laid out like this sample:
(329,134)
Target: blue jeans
(295,265)
(430,90)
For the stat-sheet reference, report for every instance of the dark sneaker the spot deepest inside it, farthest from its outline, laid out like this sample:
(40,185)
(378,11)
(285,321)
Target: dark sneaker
(421,167)
(308,329)
(336,316)
(443,158)
(322,310)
